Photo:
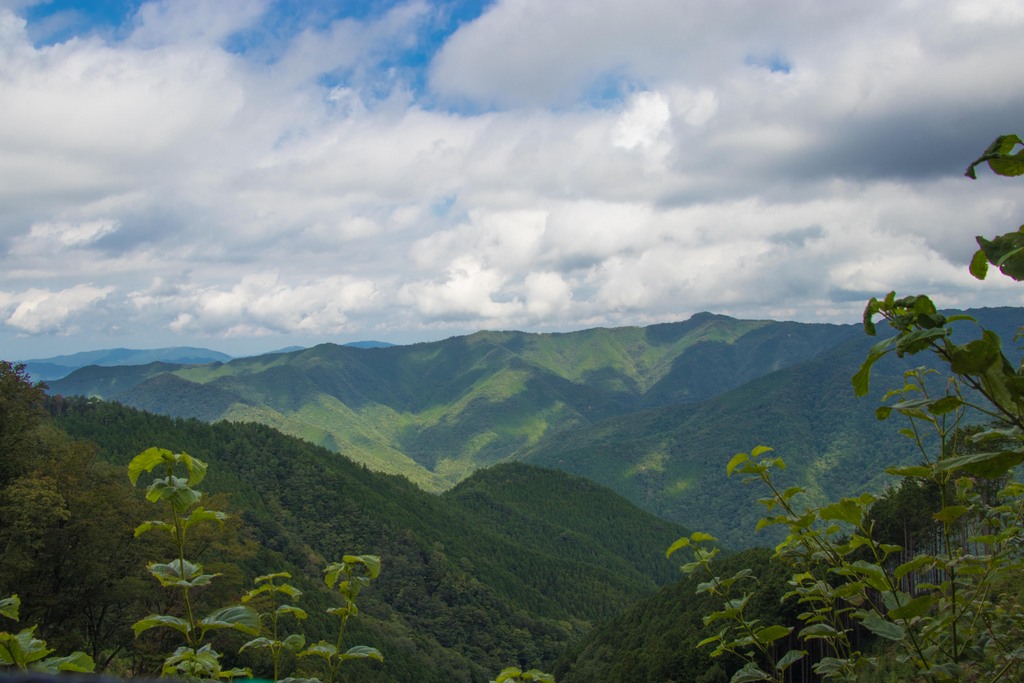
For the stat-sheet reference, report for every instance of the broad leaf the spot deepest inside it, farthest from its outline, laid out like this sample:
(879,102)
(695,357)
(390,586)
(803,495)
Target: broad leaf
(847,510)
(990,465)
(22,649)
(735,462)
(146,461)
(153,524)
(178,573)
(881,627)
(9,607)
(913,565)
(237,617)
(262,641)
(914,608)
(321,649)
(370,562)
(789,659)
(363,652)
(158,620)
(769,634)
(507,674)
(1000,157)
(297,612)
(749,673)
(175,491)
(203,515)
(295,642)
(76,662)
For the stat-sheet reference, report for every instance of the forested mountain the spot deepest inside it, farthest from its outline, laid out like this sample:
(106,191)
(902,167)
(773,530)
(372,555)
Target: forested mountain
(652,412)
(504,569)
(435,412)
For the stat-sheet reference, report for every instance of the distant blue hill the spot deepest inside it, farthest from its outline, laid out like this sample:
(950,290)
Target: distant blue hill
(370,344)
(56,367)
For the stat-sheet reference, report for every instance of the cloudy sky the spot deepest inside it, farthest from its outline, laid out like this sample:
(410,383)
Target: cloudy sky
(250,174)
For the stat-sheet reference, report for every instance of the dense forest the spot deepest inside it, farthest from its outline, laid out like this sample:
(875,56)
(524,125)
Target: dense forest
(505,569)
(517,565)
(652,413)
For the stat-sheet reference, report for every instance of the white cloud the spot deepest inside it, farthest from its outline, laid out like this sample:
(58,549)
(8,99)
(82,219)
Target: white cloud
(554,165)
(467,291)
(260,304)
(163,22)
(643,121)
(41,311)
(46,238)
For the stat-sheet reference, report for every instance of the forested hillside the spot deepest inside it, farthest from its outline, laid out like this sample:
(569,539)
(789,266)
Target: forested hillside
(653,413)
(435,412)
(506,569)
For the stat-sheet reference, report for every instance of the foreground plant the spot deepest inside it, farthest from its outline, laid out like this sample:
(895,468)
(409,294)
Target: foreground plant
(196,658)
(950,609)
(25,652)
(269,592)
(514,673)
(349,577)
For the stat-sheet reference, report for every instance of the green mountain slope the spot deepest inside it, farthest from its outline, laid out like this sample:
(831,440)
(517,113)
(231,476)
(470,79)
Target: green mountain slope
(671,460)
(656,640)
(435,412)
(506,568)
(653,413)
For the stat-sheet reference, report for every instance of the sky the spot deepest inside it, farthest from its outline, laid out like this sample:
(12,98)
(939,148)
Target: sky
(247,175)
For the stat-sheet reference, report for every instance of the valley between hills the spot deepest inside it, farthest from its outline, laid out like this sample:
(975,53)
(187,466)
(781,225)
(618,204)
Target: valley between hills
(653,413)
(520,489)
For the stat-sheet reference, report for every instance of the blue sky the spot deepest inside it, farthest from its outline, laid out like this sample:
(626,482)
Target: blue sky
(246,174)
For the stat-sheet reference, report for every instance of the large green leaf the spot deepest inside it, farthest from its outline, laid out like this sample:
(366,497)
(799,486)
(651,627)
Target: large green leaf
(262,641)
(750,672)
(321,649)
(236,617)
(201,514)
(370,562)
(990,465)
(76,662)
(146,461)
(296,612)
(881,627)
(21,649)
(913,608)
(9,607)
(152,458)
(153,524)
(160,620)
(363,652)
(295,642)
(1000,158)
(174,572)
(173,490)
(511,673)
(769,634)
(847,510)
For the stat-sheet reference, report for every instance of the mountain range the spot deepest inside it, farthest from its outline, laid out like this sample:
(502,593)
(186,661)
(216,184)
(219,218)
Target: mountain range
(652,412)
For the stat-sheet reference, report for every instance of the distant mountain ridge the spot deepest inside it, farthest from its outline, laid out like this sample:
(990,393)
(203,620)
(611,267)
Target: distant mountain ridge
(652,412)
(58,367)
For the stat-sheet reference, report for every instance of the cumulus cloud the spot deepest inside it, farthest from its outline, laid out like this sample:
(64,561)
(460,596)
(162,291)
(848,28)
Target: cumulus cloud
(215,171)
(38,311)
(260,304)
(46,238)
